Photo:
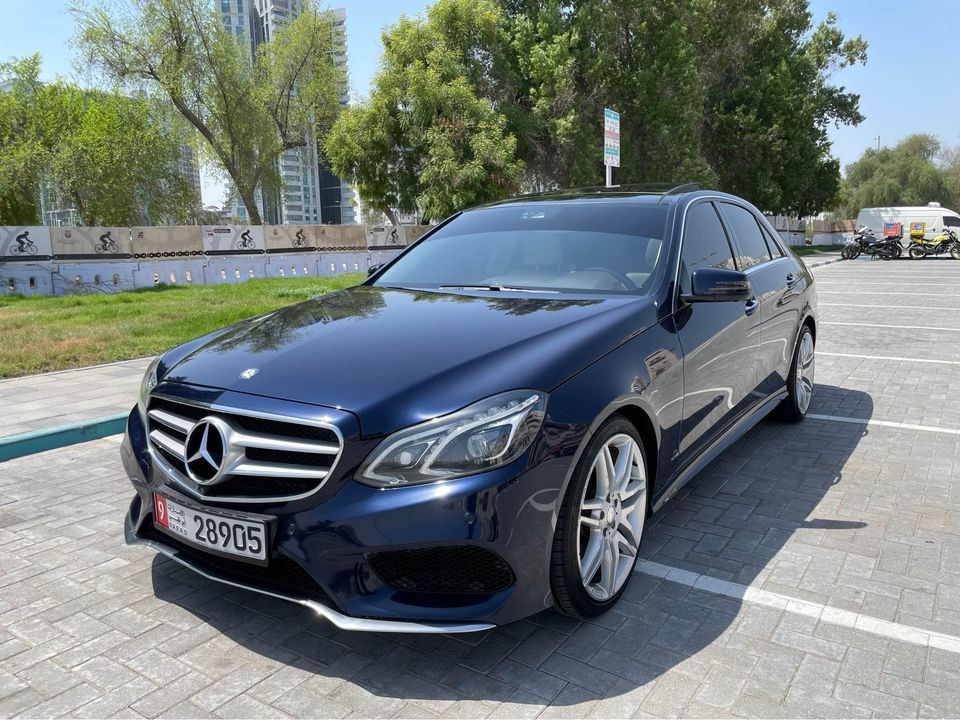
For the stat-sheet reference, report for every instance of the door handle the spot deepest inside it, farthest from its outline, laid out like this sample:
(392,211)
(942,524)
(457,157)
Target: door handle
(751,307)
(792,281)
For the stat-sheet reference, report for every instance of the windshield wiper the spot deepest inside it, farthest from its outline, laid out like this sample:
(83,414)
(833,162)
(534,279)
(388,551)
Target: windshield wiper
(499,288)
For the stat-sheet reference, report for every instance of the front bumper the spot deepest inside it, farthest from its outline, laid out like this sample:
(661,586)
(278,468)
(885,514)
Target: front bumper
(510,512)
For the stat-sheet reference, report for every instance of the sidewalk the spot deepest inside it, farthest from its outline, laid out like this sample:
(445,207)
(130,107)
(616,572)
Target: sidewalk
(38,402)
(827,258)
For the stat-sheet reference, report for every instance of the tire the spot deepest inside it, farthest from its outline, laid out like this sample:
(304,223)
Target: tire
(588,534)
(797,403)
(855,251)
(845,252)
(916,253)
(955,251)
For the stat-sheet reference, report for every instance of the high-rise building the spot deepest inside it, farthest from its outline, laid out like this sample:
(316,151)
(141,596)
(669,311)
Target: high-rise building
(311,193)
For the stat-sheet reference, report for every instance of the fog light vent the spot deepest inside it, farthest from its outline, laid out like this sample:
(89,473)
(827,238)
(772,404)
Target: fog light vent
(456,569)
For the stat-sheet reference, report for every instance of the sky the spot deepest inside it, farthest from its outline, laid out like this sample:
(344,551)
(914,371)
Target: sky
(902,89)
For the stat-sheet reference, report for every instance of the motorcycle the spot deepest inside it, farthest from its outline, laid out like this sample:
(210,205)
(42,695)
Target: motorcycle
(864,242)
(946,242)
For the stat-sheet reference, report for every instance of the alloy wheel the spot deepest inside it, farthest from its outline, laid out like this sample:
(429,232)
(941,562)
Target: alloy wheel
(805,368)
(612,513)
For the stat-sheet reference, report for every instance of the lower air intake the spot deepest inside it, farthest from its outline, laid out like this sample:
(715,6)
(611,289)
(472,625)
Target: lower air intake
(457,569)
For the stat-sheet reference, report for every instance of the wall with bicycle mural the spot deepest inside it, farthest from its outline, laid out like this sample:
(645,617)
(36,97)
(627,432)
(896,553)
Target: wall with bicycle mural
(63,260)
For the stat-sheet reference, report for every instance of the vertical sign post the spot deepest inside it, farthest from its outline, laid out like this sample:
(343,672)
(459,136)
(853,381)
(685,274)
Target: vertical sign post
(611,142)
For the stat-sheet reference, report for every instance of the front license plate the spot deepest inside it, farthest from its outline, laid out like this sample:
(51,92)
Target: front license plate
(213,532)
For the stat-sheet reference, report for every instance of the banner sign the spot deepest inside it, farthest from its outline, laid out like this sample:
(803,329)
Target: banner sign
(340,237)
(25,243)
(167,241)
(91,243)
(232,239)
(385,236)
(611,138)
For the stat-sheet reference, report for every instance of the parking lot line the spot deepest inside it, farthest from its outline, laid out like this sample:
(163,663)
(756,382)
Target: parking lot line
(820,611)
(895,327)
(891,307)
(885,294)
(885,423)
(889,357)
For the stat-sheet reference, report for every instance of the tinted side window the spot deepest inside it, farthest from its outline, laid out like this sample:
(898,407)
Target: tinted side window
(705,243)
(774,246)
(752,246)
(951,222)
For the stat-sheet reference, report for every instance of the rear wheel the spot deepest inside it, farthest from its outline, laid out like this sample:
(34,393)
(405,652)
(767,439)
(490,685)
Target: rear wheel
(916,252)
(800,380)
(601,522)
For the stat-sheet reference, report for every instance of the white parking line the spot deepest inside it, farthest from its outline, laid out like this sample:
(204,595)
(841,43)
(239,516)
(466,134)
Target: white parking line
(820,611)
(888,357)
(890,307)
(885,423)
(896,327)
(885,294)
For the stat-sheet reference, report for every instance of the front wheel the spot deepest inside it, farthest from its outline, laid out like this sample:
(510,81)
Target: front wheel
(955,251)
(800,380)
(600,526)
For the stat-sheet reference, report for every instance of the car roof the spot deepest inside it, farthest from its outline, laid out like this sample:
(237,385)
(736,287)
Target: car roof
(647,194)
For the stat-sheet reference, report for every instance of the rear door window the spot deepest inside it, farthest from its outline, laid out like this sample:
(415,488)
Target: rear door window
(751,246)
(951,222)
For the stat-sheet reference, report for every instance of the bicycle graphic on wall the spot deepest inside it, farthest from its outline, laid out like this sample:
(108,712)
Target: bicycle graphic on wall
(24,246)
(107,244)
(245,242)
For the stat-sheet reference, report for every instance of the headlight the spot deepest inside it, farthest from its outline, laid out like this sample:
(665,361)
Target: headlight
(148,383)
(485,435)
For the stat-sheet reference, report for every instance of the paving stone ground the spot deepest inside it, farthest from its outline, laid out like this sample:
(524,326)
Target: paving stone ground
(43,401)
(843,516)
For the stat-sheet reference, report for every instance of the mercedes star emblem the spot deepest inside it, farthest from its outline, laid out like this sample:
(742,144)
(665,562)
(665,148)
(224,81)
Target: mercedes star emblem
(248,373)
(205,451)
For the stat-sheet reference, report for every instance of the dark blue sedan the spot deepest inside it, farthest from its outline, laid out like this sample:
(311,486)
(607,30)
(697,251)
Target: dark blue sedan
(480,430)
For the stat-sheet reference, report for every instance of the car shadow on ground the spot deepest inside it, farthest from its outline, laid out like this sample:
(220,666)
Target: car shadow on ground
(731,522)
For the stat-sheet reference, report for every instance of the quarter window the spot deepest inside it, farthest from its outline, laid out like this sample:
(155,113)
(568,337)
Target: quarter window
(705,244)
(951,221)
(753,248)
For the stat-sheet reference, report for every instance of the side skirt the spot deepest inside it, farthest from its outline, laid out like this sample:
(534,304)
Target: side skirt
(734,433)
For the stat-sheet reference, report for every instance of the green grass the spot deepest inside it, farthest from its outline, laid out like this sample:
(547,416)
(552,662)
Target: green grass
(815,249)
(41,334)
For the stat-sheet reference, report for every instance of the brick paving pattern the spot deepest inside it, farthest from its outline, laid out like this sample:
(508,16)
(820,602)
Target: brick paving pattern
(859,519)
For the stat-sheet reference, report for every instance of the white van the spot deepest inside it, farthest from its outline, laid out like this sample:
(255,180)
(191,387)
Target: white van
(934,217)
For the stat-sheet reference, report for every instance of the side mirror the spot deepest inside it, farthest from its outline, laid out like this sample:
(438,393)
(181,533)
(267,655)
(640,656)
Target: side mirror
(717,285)
(374,269)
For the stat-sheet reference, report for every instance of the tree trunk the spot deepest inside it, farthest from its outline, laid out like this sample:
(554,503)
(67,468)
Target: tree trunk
(391,216)
(250,203)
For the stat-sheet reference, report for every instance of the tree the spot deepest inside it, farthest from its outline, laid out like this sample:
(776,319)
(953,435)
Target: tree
(906,174)
(768,101)
(115,158)
(425,139)
(734,94)
(249,111)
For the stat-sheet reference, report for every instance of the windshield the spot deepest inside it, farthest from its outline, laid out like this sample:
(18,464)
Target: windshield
(555,247)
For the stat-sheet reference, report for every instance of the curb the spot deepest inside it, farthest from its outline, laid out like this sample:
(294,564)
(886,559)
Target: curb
(28,443)
(76,369)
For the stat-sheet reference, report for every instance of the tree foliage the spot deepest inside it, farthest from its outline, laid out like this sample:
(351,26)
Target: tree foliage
(906,174)
(114,158)
(426,139)
(735,94)
(248,111)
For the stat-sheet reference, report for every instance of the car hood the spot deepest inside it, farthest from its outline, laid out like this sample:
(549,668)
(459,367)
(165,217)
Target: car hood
(395,357)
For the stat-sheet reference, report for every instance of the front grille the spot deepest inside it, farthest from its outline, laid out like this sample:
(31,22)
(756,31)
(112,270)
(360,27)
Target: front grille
(282,574)
(455,569)
(273,457)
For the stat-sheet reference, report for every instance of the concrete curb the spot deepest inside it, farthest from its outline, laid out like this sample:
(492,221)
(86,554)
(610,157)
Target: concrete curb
(76,369)
(14,446)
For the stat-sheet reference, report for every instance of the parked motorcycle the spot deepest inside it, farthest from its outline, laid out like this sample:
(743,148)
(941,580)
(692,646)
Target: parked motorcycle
(945,242)
(864,242)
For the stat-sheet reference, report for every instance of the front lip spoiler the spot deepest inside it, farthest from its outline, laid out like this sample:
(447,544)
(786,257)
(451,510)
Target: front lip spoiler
(344,622)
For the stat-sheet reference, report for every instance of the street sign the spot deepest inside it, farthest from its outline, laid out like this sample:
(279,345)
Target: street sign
(611,138)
